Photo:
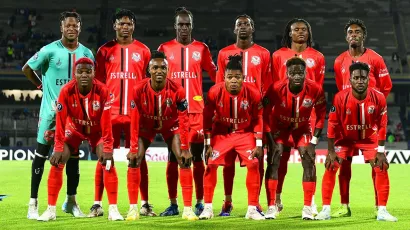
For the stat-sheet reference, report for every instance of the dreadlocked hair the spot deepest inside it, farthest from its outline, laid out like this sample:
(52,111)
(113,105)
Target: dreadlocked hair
(355,21)
(235,62)
(124,13)
(248,17)
(69,14)
(287,40)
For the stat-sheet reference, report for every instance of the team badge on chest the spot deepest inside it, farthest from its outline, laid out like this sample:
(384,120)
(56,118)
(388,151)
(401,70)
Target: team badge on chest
(136,57)
(196,55)
(96,105)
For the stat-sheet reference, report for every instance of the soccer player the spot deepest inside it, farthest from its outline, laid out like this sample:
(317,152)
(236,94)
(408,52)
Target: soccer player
(56,63)
(83,113)
(187,58)
(293,101)
(159,105)
(379,79)
(121,63)
(256,71)
(233,125)
(357,120)
(296,41)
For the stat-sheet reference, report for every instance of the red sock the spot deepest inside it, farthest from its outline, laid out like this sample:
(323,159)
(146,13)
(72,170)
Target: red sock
(283,169)
(252,184)
(382,185)
(98,182)
(228,174)
(172,179)
(345,174)
(210,179)
(328,184)
(133,182)
(199,170)
(261,173)
(144,180)
(308,188)
(375,187)
(186,185)
(55,182)
(111,184)
(270,186)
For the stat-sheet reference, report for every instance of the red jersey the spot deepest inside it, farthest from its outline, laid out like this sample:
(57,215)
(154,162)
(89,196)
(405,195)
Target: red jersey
(233,113)
(379,74)
(358,120)
(315,64)
(255,64)
(185,65)
(120,68)
(158,111)
(293,111)
(88,114)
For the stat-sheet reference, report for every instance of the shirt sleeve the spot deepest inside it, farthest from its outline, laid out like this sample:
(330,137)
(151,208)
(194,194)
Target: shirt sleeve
(100,73)
(221,68)
(338,74)
(382,120)
(257,117)
(208,64)
(106,127)
(61,118)
(266,73)
(182,106)
(134,129)
(320,70)
(320,109)
(275,68)
(38,59)
(268,103)
(383,80)
(333,122)
(209,111)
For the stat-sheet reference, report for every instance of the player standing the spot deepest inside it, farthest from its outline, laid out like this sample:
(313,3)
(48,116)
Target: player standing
(56,62)
(159,105)
(256,71)
(293,101)
(379,79)
(296,41)
(121,63)
(83,113)
(357,120)
(233,125)
(186,60)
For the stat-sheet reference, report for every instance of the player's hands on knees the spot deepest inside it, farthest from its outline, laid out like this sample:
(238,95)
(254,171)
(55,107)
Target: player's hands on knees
(332,159)
(56,158)
(186,158)
(107,160)
(208,153)
(257,152)
(381,161)
(133,159)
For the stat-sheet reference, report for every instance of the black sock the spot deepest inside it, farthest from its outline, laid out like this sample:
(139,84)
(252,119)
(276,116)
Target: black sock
(72,170)
(37,168)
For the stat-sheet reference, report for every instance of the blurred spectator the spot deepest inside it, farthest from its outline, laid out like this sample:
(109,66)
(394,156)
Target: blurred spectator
(11,21)
(5,141)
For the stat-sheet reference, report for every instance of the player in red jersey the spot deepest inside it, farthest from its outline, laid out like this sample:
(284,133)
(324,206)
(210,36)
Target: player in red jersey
(357,120)
(121,63)
(83,113)
(356,33)
(159,105)
(256,71)
(296,41)
(186,60)
(293,101)
(233,125)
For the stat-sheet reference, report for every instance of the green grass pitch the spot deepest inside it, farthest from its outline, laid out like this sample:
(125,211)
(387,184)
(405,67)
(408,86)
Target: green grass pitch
(15,182)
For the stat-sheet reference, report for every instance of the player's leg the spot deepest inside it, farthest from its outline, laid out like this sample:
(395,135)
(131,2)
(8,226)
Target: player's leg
(345,174)
(134,174)
(271,180)
(282,171)
(221,145)
(172,184)
(228,175)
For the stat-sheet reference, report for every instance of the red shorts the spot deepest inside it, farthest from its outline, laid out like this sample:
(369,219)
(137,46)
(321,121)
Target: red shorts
(348,148)
(121,123)
(295,138)
(74,139)
(196,132)
(240,143)
(165,132)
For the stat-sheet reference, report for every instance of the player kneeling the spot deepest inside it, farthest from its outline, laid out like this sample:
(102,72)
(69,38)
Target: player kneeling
(232,121)
(357,120)
(83,113)
(159,106)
